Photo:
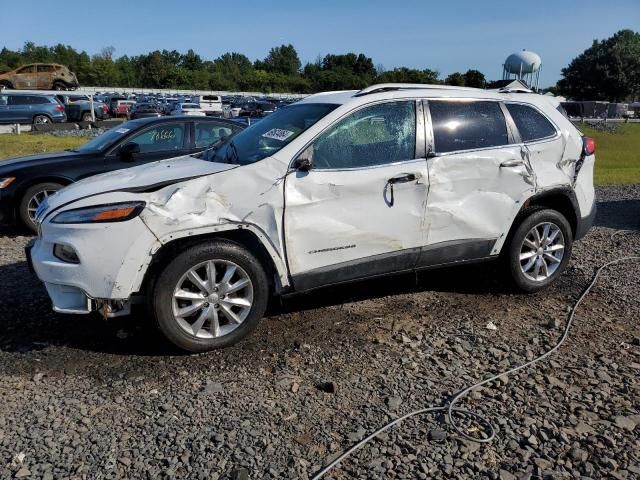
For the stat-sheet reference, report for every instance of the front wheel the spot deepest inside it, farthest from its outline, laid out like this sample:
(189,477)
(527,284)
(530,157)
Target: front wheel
(32,199)
(210,296)
(540,250)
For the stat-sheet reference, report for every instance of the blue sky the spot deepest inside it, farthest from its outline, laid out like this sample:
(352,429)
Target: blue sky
(446,36)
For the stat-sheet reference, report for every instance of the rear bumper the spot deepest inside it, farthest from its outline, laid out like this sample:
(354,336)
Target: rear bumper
(585,223)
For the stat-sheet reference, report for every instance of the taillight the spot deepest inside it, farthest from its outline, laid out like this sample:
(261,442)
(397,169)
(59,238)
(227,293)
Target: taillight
(588,146)
(105,109)
(59,108)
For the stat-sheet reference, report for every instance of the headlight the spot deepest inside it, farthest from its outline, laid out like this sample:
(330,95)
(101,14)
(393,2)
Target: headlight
(114,212)
(6,181)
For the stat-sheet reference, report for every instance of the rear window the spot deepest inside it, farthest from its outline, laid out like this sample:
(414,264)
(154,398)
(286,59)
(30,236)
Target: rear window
(210,98)
(531,124)
(467,125)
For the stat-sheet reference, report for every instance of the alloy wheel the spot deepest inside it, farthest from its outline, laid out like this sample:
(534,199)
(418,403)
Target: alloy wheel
(542,251)
(35,201)
(212,299)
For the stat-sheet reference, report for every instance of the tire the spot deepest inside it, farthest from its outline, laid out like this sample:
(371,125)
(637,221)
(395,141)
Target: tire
(86,117)
(41,119)
(530,265)
(175,278)
(5,85)
(59,87)
(31,199)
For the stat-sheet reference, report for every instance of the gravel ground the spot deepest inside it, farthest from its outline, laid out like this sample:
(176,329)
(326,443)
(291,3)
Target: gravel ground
(85,398)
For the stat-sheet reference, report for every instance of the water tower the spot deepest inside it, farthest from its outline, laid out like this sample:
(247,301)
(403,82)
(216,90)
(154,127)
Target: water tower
(524,66)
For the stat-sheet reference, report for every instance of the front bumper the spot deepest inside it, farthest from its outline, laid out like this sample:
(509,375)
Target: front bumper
(113,261)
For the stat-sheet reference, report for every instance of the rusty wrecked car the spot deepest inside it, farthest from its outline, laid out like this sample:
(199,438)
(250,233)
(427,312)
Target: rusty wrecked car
(39,76)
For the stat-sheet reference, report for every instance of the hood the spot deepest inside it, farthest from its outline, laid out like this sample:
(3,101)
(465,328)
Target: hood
(159,173)
(36,159)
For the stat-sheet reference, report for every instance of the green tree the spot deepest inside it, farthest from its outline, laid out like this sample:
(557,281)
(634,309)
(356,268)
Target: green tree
(608,70)
(456,79)
(283,59)
(408,75)
(474,78)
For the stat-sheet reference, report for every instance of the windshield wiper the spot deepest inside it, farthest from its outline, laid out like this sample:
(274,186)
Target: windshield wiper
(233,148)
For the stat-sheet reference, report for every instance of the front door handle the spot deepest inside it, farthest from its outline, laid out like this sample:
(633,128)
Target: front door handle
(514,162)
(403,178)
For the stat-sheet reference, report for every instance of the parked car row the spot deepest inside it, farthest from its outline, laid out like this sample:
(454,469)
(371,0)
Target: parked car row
(25,182)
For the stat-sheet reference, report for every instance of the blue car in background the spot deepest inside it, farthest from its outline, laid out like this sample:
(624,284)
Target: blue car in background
(30,108)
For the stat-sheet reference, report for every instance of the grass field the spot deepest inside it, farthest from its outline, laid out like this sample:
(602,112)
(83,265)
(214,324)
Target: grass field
(27,144)
(617,154)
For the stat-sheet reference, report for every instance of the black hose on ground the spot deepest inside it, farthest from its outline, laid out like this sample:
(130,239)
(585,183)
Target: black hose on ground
(483,422)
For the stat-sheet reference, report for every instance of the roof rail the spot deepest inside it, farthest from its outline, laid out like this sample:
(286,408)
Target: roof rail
(514,90)
(388,87)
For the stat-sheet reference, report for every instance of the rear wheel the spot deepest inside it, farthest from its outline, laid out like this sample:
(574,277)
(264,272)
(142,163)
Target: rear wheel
(540,250)
(58,86)
(41,120)
(210,296)
(86,117)
(32,199)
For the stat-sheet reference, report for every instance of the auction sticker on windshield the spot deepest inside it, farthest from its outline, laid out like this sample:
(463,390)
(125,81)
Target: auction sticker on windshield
(278,134)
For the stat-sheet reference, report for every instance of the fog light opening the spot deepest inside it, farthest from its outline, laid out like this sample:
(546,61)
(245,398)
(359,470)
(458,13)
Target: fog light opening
(65,253)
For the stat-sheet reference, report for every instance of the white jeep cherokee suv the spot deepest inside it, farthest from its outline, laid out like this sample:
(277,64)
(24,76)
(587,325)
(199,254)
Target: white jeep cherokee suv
(338,187)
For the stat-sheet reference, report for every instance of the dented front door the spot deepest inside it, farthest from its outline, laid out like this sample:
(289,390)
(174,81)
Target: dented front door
(360,210)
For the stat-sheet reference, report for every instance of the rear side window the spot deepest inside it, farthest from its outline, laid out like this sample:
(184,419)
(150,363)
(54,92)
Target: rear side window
(467,125)
(531,124)
(45,68)
(161,138)
(36,100)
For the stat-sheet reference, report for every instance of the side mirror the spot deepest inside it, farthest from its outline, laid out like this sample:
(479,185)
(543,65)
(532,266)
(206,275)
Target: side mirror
(304,161)
(128,150)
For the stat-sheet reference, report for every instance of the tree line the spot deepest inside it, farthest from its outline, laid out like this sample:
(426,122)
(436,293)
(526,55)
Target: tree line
(280,71)
(608,70)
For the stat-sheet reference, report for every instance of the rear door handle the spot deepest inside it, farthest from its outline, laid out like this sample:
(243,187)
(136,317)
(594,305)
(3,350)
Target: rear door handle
(403,178)
(514,162)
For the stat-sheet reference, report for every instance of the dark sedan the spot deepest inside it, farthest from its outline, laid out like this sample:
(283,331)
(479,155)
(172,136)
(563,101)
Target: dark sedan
(26,181)
(145,110)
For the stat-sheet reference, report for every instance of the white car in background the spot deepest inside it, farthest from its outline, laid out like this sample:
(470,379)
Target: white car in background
(210,104)
(337,187)
(189,109)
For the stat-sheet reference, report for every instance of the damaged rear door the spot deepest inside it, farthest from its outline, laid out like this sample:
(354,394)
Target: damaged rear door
(359,210)
(478,177)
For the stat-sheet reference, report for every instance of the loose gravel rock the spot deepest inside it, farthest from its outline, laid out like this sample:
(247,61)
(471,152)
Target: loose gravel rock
(81,397)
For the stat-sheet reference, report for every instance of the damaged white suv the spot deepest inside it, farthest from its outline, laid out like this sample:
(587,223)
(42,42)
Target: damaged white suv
(338,187)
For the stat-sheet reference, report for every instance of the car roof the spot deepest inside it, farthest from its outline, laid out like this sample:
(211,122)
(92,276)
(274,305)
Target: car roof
(146,121)
(399,91)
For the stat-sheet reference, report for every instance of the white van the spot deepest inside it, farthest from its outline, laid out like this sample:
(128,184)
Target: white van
(210,104)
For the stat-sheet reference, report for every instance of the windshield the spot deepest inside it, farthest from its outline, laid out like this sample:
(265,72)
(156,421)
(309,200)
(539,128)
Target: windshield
(106,139)
(271,134)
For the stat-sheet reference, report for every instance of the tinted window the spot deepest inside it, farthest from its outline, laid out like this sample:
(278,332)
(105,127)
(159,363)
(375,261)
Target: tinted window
(467,125)
(18,100)
(36,100)
(375,135)
(531,124)
(161,138)
(208,133)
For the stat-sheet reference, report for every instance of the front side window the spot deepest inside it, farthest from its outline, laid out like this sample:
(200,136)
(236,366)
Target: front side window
(463,125)
(376,135)
(531,124)
(208,133)
(161,138)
